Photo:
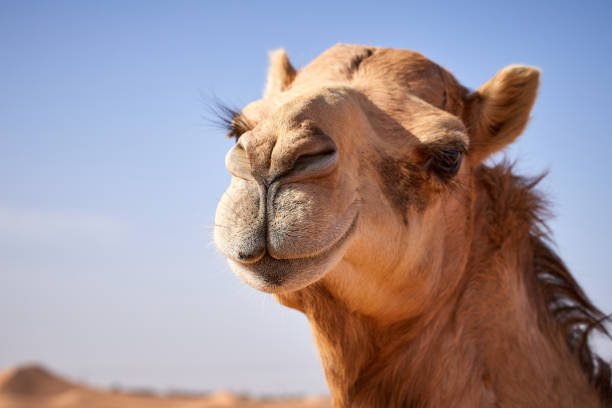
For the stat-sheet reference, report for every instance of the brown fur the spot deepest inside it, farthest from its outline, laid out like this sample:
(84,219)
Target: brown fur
(406,365)
(426,276)
(400,178)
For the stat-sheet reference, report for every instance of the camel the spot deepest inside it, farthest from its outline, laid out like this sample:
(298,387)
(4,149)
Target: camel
(359,197)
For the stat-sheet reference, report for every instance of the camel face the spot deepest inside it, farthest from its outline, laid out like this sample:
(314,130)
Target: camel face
(356,169)
(314,176)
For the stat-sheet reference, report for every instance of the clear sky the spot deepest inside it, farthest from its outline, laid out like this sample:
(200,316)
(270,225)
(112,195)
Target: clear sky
(110,174)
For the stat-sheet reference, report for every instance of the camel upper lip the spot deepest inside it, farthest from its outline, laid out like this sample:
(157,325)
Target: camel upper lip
(322,252)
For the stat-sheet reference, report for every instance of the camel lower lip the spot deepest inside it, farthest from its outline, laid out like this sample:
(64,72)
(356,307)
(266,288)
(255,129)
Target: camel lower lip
(275,275)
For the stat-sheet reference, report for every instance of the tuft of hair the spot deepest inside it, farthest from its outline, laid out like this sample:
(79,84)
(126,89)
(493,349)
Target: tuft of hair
(358,59)
(280,73)
(562,305)
(572,310)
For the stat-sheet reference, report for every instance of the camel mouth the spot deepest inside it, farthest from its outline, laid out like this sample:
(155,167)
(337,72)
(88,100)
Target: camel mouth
(274,275)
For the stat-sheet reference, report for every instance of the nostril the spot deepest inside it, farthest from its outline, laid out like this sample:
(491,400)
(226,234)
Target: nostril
(314,156)
(315,164)
(307,160)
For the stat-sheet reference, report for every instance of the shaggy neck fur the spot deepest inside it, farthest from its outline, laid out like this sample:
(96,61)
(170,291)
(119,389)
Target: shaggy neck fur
(513,334)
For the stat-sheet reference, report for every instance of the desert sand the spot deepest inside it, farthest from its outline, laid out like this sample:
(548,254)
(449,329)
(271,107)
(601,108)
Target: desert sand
(35,387)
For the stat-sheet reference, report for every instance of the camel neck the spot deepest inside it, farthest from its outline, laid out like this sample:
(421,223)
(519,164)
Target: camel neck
(484,345)
(481,352)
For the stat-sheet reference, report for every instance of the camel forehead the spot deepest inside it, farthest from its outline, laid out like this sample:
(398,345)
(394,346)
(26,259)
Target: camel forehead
(327,106)
(403,85)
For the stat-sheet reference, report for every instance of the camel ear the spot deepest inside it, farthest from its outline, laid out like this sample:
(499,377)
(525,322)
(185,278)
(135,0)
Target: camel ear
(499,110)
(280,73)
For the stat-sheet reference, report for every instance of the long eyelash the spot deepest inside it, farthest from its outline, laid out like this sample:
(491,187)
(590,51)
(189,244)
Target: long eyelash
(240,125)
(230,119)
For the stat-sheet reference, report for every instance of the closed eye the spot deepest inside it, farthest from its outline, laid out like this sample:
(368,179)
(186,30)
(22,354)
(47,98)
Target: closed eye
(315,160)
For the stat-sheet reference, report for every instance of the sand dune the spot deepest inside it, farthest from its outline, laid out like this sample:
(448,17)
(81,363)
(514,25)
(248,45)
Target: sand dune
(36,387)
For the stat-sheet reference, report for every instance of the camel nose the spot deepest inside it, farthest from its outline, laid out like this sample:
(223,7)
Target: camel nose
(292,160)
(266,168)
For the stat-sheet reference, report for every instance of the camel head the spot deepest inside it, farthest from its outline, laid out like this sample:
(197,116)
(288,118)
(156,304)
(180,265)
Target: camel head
(357,173)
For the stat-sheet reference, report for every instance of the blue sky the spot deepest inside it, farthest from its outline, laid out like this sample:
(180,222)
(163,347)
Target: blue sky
(110,173)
